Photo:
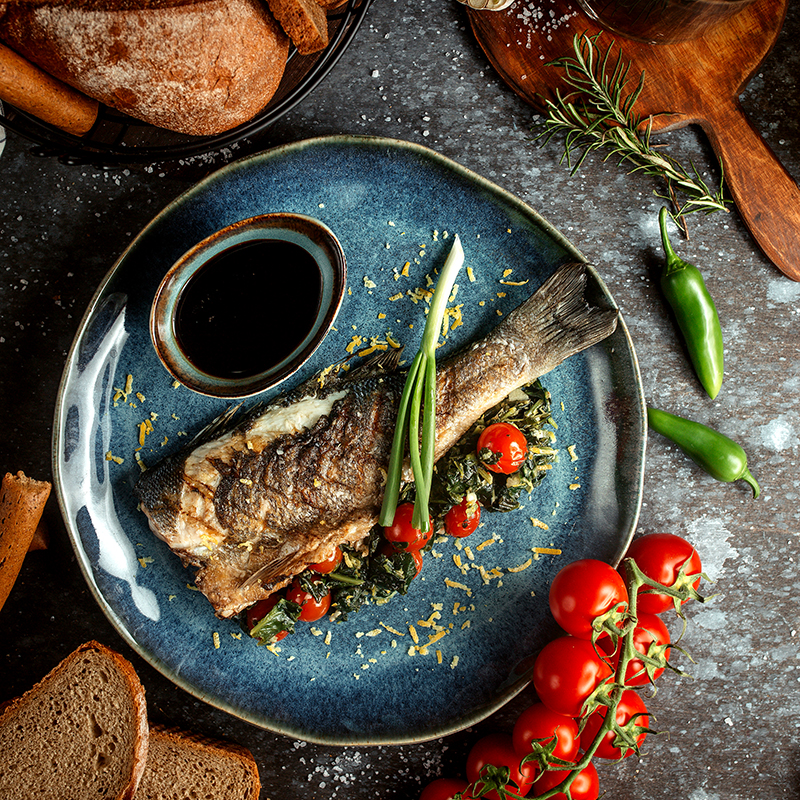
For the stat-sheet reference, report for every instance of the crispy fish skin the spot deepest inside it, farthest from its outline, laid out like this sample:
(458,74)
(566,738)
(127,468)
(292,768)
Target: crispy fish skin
(251,507)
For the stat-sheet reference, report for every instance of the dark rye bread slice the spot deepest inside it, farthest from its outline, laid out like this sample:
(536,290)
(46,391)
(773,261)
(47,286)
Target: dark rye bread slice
(200,68)
(304,22)
(183,765)
(80,733)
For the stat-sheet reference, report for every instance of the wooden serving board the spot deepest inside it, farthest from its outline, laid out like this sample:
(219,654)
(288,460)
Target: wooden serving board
(697,81)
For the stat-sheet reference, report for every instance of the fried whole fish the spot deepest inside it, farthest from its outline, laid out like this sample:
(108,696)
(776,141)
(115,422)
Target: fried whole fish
(252,503)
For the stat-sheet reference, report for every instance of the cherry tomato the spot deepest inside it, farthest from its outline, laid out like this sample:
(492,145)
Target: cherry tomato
(388,549)
(660,556)
(497,749)
(402,534)
(583,590)
(649,630)
(312,609)
(458,523)
(629,705)
(539,723)
(506,440)
(259,610)
(329,564)
(586,785)
(445,789)
(566,672)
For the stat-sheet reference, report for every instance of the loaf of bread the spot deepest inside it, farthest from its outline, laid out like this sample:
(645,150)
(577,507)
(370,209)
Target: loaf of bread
(183,765)
(108,4)
(81,732)
(200,68)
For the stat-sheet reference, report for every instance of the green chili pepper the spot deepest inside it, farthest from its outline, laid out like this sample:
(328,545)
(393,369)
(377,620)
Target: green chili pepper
(711,450)
(695,314)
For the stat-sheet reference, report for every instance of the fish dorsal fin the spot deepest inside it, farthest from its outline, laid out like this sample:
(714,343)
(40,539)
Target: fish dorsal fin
(377,364)
(220,424)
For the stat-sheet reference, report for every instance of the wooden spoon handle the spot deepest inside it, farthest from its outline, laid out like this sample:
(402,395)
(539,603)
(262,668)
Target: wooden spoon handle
(766,195)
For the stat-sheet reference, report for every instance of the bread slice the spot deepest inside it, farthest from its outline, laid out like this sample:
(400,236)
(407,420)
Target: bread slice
(22,502)
(330,5)
(80,733)
(182,765)
(304,22)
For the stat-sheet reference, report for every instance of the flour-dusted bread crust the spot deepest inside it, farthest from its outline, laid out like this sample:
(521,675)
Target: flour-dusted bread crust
(200,68)
(80,733)
(182,765)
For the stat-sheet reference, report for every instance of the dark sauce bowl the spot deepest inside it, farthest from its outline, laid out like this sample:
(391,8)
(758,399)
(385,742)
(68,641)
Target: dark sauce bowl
(246,307)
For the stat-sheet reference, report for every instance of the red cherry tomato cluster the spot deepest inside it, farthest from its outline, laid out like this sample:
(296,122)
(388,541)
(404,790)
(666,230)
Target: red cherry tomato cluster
(572,667)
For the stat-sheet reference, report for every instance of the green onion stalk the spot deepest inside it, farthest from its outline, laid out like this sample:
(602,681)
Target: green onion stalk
(416,415)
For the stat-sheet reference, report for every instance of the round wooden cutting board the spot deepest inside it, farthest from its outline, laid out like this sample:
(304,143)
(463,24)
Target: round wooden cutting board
(697,82)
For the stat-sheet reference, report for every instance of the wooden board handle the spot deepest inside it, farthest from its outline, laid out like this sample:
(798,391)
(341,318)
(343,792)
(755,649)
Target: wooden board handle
(766,196)
(30,89)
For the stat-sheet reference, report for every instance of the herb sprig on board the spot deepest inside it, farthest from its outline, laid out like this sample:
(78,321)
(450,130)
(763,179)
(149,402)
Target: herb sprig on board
(598,114)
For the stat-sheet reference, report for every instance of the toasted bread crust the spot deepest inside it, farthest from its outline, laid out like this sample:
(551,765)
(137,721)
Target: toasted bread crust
(22,502)
(305,23)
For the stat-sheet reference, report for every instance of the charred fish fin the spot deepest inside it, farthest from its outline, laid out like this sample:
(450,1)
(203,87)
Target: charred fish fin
(268,573)
(219,425)
(342,373)
(377,364)
(583,324)
(559,315)
(158,490)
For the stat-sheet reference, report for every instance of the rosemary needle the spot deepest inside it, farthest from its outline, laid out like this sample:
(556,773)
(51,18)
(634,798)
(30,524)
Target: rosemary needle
(416,415)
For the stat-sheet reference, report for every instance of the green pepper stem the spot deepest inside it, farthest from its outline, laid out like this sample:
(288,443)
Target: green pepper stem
(674,263)
(748,478)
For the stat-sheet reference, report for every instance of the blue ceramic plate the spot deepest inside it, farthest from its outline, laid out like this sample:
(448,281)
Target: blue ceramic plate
(368,680)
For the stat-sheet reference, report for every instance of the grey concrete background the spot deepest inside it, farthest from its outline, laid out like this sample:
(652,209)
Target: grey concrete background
(414,72)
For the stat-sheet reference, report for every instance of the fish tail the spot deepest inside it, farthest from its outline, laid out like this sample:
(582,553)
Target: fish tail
(558,318)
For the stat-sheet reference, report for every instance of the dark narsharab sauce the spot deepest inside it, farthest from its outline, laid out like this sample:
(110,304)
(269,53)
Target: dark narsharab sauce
(248,308)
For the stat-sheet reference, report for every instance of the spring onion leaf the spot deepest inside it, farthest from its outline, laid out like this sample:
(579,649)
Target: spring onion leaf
(418,406)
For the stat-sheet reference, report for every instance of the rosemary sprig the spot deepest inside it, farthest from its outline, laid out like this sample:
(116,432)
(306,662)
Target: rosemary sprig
(599,114)
(418,406)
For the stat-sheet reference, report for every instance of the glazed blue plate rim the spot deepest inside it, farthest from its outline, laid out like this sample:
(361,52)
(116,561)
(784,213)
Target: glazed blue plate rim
(612,369)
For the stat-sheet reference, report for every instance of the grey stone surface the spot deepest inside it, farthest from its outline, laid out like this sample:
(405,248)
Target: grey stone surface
(414,72)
